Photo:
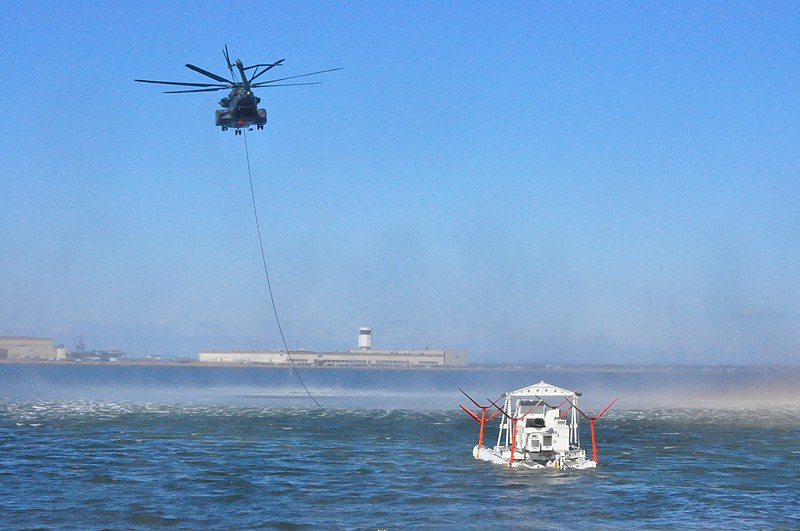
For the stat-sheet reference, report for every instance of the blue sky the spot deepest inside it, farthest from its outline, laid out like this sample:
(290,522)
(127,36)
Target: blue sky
(531,182)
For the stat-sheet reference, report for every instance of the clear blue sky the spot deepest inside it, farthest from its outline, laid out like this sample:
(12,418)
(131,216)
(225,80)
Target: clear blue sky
(532,182)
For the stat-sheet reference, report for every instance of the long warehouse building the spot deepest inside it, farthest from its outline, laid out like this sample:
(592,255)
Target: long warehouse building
(365,356)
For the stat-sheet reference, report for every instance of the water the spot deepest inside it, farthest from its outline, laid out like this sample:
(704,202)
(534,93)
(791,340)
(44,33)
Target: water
(185,447)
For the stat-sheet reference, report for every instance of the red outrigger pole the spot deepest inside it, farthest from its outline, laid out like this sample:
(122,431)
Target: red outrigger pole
(483,418)
(591,424)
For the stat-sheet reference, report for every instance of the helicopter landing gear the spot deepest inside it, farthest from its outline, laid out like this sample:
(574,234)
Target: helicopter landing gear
(260,127)
(224,127)
(238,132)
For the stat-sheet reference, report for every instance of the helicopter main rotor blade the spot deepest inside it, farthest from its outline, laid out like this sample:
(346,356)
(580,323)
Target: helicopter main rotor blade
(195,90)
(227,56)
(269,65)
(287,84)
(258,74)
(207,73)
(180,83)
(264,83)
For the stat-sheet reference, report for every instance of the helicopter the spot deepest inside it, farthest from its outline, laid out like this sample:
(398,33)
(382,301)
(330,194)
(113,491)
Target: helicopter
(240,107)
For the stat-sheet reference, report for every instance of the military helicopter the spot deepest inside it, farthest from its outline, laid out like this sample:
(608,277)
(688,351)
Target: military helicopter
(240,107)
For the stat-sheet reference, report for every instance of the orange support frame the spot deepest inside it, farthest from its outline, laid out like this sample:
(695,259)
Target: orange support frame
(482,420)
(513,442)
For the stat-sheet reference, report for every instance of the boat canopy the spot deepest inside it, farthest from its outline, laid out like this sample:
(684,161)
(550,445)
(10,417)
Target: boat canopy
(541,389)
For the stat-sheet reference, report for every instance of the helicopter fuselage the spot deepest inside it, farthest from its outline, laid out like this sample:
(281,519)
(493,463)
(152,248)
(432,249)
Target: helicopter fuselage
(239,110)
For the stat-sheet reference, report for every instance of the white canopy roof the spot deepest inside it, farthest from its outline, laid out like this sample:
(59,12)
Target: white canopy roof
(541,389)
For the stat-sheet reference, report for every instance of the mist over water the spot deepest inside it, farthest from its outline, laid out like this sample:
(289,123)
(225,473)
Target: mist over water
(426,389)
(187,447)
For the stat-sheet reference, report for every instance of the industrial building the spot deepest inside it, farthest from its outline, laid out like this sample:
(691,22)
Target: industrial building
(365,356)
(30,348)
(81,354)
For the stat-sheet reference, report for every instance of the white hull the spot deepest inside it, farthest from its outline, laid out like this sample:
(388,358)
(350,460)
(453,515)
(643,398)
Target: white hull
(574,460)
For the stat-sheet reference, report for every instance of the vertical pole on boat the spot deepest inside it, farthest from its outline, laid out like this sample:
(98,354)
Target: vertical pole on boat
(513,443)
(507,415)
(574,421)
(591,424)
(483,423)
(508,418)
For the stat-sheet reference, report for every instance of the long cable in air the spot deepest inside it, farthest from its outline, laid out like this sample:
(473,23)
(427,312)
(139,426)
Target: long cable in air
(266,274)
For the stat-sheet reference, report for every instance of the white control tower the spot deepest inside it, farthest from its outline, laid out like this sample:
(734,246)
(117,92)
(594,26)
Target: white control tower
(365,338)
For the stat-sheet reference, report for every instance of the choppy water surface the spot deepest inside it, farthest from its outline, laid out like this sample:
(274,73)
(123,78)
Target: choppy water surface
(105,463)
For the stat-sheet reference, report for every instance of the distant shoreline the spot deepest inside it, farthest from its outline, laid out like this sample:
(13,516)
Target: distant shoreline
(141,362)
